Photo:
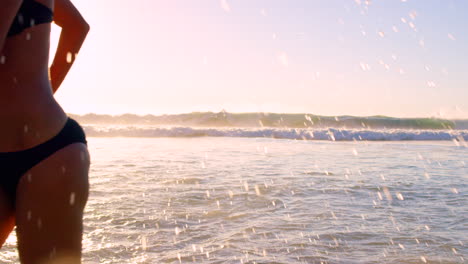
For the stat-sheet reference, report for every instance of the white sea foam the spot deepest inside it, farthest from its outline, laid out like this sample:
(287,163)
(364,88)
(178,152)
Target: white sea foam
(279,133)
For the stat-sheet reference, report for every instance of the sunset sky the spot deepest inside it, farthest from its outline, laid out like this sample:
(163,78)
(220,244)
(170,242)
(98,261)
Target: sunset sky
(405,58)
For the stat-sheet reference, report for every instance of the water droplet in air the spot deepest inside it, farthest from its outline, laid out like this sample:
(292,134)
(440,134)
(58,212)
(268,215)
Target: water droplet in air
(69,57)
(387,194)
(333,215)
(225,6)
(72,198)
(423,259)
(400,196)
(257,190)
(364,66)
(450,36)
(2,59)
(283,59)
(413,15)
(143,243)
(422,43)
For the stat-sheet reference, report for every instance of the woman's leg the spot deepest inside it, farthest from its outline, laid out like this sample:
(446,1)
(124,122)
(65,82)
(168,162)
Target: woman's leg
(51,198)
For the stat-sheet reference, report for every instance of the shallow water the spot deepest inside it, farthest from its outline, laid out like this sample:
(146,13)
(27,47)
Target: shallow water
(247,200)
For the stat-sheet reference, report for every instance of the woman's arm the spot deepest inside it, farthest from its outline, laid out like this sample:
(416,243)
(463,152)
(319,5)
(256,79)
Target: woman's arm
(74,31)
(8,10)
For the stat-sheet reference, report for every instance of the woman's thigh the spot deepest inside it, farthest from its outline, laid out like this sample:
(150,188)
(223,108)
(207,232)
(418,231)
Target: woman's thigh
(49,207)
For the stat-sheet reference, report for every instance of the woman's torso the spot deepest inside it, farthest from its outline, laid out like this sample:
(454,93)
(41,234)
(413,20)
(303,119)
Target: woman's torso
(29,114)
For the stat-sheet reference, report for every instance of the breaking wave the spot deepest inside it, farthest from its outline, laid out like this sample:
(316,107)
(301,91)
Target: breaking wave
(273,120)
(278,133)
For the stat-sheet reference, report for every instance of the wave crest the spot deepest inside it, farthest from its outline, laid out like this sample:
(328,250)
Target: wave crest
(330,134)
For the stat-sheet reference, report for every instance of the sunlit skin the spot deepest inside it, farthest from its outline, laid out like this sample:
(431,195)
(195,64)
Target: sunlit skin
(49,227)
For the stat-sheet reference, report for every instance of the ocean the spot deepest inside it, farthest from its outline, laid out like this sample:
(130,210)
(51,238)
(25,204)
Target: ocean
(226,198)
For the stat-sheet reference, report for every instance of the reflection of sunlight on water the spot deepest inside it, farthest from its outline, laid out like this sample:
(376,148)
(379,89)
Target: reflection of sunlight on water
(11,240)
(299,202)
(8,251)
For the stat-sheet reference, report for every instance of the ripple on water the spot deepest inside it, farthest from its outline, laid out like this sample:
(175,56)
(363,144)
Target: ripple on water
(214,200)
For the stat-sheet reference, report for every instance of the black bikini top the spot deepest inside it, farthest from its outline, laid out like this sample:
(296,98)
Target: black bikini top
(30,13)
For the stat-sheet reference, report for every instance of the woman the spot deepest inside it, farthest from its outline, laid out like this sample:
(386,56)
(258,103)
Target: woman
(44,160)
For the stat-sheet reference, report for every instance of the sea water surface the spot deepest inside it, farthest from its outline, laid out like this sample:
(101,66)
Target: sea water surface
(264,200)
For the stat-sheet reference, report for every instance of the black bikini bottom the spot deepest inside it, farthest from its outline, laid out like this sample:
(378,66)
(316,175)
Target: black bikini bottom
(14,164)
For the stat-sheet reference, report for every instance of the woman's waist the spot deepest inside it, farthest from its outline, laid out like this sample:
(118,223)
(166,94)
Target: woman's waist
(24,77)
(18,91)
(27,125)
